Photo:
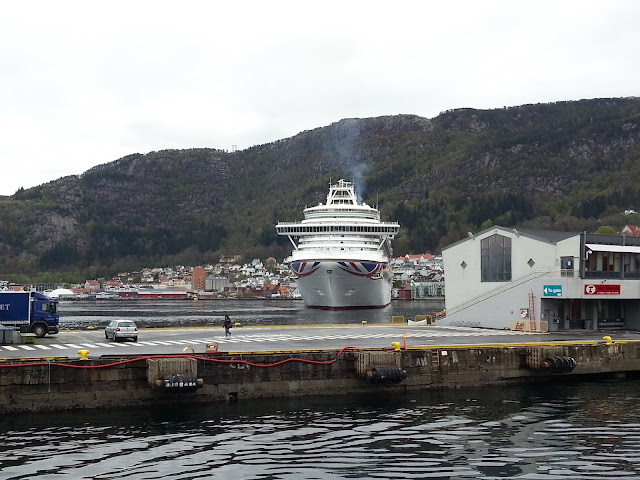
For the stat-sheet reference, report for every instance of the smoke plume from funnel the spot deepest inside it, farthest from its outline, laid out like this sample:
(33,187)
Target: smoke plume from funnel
(357,175)
(345,138)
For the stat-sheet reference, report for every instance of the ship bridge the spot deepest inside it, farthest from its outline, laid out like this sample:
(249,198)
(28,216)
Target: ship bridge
(389,229)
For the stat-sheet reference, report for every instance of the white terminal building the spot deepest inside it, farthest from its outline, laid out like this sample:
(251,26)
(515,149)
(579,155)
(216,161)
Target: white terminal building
(507,278)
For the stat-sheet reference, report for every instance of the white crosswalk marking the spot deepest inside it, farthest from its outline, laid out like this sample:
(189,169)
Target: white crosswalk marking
(459,331)
(419,336)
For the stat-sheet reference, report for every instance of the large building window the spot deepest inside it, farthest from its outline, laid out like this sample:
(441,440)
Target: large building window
(495,257)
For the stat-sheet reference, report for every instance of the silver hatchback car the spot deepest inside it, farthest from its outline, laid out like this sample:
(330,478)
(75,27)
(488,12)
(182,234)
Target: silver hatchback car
(121,329)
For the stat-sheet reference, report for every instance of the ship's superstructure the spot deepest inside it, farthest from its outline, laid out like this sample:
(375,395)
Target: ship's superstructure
(341,252)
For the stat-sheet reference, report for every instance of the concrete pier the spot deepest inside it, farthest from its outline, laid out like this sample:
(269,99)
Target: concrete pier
(60,383)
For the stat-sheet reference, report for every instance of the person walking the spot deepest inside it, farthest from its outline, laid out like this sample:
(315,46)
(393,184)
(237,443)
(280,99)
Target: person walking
(227,325)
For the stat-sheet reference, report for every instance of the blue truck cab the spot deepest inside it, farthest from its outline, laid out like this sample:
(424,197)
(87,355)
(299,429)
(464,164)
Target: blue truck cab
(30,312)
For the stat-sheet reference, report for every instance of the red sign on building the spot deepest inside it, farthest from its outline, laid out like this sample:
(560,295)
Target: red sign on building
(604,289)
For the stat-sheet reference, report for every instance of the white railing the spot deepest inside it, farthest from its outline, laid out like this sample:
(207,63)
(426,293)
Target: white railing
(500,289)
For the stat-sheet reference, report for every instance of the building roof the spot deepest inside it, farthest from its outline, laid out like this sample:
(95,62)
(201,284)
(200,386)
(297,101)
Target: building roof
(60,292)
(420,256)
(551,236)
(633,229)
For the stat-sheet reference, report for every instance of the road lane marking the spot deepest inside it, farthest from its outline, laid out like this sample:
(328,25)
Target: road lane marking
(424,334)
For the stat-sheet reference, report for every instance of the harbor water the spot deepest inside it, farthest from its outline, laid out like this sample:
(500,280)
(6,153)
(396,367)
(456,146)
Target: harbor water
(190,313)
(583,430)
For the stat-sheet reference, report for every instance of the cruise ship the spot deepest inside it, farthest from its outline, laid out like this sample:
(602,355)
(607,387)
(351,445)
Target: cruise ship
(341,252)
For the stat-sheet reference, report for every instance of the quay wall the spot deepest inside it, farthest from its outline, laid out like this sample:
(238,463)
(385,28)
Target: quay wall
(62,384)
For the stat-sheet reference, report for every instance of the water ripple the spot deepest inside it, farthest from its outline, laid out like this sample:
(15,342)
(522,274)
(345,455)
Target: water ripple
(586,431)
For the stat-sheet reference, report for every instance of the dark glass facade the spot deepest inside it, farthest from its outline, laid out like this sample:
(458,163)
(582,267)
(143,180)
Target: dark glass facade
(495,255)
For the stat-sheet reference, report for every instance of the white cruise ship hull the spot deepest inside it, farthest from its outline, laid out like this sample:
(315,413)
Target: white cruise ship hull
(339,285)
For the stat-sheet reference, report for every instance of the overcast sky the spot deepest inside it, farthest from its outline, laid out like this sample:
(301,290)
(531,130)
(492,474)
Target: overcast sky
(84,83)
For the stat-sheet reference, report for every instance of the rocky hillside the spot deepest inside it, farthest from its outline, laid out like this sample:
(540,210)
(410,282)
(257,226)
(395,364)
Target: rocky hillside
(569,166)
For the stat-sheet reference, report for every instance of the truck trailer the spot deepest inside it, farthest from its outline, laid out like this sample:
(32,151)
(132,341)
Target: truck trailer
(30,312)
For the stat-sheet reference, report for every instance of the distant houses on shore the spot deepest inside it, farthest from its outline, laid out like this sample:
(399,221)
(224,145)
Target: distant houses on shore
(415,276)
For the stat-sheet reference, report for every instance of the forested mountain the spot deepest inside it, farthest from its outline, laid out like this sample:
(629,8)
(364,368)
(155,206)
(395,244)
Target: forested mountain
(566,166)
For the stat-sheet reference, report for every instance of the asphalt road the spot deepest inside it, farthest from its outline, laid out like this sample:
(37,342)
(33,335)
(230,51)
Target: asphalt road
(286,338)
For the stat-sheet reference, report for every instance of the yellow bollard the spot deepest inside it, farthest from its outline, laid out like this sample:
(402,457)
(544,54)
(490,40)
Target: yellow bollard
(84,354)
(607,340)
(237,324)
(396,346)
(364,322)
